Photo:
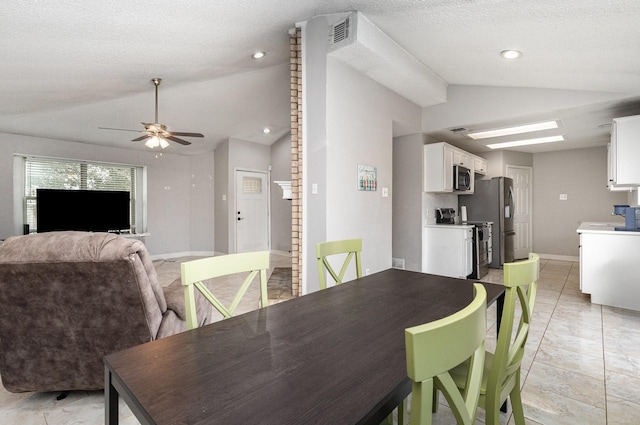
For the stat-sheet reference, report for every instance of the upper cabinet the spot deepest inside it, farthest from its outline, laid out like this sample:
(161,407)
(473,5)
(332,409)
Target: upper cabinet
(438,168)
(480,166)
(624,153)
(439,159)
(463,158)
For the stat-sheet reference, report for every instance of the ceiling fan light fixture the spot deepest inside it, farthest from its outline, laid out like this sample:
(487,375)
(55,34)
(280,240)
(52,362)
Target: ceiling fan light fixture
(163,142)
(153,142)
(511,54)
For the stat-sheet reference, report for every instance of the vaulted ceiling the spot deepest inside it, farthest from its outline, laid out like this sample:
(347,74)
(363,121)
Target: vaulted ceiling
(69,67)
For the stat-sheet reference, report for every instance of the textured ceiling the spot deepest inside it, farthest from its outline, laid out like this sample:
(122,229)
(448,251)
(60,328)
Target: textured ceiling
(69,67)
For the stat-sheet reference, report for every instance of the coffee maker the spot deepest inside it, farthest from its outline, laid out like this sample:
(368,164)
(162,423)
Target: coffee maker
(631,217)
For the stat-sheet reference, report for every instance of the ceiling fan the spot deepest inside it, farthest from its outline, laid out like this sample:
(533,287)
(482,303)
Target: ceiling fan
(156,134)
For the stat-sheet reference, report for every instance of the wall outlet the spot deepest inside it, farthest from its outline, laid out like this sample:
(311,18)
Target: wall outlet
(563,196)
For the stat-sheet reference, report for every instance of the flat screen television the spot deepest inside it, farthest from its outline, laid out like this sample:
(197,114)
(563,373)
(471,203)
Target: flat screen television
(85,210)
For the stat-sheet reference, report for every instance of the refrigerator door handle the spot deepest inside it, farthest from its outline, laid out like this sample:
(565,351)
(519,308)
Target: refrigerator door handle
(512,203)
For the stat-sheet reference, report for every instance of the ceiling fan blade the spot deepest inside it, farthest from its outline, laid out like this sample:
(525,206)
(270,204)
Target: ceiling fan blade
(175,139)
(141,138)
(118,129)
(179,133)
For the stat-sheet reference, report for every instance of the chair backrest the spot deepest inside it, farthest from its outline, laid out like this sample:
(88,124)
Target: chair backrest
(196,272)
(521,282)
(435,348)
(351,247)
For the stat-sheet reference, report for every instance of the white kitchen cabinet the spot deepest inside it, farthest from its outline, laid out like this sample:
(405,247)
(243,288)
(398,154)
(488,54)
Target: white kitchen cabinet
(624,153)
(480,165)
(609,266)
(610,185)
(438,162)
(447,250)
(462,158)
(438,168)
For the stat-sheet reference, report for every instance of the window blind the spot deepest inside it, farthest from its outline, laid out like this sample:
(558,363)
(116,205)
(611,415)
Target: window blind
(47,173)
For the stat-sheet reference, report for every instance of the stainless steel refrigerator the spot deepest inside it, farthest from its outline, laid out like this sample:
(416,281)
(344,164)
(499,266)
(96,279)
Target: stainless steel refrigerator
(492,200)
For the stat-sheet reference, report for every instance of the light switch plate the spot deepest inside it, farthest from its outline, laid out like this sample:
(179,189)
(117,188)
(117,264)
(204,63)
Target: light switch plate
(563,196)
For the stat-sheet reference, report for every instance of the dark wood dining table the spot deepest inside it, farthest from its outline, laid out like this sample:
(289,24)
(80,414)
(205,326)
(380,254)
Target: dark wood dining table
(335,356)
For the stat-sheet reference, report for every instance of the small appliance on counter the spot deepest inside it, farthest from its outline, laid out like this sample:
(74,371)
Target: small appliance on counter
(445,216)
(631,217)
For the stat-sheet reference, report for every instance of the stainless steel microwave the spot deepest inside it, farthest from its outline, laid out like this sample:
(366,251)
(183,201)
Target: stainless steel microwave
(461,178)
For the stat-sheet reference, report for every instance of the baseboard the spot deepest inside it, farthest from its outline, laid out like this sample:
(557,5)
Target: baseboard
(559,257)
(171,255)
(285,253)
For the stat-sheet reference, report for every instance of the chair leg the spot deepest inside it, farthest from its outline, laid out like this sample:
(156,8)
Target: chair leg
(402,413)
(492,411)
(516,402)
(436,400)
(422,403)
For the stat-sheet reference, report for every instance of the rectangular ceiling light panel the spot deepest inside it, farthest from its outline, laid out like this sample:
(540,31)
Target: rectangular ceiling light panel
(508,131)
(539,140)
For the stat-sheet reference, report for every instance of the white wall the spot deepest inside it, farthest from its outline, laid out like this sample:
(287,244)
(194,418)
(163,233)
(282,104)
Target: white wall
(407,200)
(351,126)
(468,105)
(582,175)
(221,202)
(497,162)
(179,195)
(231,155)
(280,208)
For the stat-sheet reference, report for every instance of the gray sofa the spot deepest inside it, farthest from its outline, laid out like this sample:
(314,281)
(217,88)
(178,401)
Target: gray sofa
(69,298)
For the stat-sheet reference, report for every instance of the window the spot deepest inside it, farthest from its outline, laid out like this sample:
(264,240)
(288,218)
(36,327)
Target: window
(252,185)
(53,173)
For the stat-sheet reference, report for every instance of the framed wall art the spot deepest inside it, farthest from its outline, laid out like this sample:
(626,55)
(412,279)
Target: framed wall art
(367,178)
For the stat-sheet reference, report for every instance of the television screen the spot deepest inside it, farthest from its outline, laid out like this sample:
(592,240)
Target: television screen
(86,210)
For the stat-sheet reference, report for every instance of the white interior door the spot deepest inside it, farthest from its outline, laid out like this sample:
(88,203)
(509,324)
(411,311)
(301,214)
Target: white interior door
(522,217)
(252,211)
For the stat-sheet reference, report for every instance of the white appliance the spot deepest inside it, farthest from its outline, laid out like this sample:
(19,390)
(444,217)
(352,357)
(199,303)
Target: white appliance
(447,250)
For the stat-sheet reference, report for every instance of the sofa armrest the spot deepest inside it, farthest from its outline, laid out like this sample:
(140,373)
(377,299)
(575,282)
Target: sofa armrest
(174,295)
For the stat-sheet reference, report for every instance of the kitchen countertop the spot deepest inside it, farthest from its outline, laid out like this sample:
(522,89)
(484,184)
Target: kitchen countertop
(456,226)
(604,228)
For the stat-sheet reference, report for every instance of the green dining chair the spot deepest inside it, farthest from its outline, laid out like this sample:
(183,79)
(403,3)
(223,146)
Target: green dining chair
(195,272)
(502,369)
(434,348)
(351,247)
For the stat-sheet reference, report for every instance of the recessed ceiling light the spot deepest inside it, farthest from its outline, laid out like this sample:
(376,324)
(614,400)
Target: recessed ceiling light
(266,130)
(537,141)
(511,54)
(258,55)
(518,129)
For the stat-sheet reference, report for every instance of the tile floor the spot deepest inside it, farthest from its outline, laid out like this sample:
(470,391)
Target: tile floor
(582,365)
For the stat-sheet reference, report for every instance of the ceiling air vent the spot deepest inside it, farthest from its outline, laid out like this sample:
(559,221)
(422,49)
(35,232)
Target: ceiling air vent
(340,31)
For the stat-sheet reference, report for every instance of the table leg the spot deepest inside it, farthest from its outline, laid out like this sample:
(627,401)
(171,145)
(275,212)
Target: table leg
(111,411)
(499,309)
